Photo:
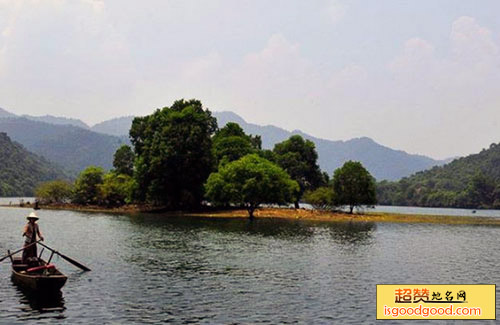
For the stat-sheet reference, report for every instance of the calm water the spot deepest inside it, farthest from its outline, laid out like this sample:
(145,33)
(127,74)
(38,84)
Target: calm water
(149,269)
(437,211)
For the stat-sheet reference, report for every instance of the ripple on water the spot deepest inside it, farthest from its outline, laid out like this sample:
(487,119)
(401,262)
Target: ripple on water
(148,269)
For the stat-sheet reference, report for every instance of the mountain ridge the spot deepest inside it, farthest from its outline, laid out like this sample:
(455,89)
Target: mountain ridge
(391,164)
(383,162)
(21,170)
(472,181)
(72,147)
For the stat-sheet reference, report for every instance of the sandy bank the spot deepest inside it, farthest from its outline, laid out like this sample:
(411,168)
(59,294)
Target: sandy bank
(284,213)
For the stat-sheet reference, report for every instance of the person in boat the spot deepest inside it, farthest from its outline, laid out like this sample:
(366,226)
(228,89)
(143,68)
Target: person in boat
(31,231)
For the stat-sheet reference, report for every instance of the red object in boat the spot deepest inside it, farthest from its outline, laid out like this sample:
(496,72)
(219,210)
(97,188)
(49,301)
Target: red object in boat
(43,267)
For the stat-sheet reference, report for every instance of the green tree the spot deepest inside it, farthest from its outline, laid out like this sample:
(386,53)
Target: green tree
(299,158)
(231,143)
(353,186)
(173,154)
(86,189)
(481,191)
(116,189)
(123,160)
(57,191)
(321,198)
(249,182)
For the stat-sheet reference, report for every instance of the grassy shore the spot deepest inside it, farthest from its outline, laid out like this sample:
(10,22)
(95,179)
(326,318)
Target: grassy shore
(285,213)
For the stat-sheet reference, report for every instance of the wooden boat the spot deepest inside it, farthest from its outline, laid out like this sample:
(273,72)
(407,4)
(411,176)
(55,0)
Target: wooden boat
(44,278)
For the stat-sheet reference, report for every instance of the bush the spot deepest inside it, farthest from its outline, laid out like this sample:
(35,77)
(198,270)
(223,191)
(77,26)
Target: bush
(321,199)
(57,191)
(116,189)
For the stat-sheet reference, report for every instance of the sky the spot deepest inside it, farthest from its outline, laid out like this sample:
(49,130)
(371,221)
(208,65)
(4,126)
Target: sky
(421,76)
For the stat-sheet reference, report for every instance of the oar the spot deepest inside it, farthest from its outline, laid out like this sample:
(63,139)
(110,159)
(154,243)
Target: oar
(19,250)
(72,261)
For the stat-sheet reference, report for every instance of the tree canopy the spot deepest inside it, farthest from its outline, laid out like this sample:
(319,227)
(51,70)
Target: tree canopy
(321,198)
(86,189)
(173,154)
(116,189)
(58,191)
(299,158)
(353,186)
(123,160)
(231,143)
(249,182)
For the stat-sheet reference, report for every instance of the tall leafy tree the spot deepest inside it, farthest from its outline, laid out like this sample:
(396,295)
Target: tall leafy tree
(249,182)
(123,160)
(86,189)
(353,186)
(231,143)
(300,159)
(173,154)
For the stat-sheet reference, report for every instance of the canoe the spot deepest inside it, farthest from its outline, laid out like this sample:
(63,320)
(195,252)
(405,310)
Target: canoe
(43,279)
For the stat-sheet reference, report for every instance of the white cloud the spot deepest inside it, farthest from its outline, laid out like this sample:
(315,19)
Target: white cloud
(96,59)
(449,95)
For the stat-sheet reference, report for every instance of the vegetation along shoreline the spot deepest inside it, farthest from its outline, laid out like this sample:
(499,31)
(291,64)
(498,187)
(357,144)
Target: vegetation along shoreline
(278,213)
(180,160)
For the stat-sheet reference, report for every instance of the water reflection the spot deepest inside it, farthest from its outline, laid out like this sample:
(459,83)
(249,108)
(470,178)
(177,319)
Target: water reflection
(352,232)
(190,226)
(41,302)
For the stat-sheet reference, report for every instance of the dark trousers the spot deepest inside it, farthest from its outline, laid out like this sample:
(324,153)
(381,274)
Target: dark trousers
(29,252)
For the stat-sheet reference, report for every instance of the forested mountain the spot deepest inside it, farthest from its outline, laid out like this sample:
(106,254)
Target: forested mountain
(21,171)
(71,147)
(469,182)
(381,161)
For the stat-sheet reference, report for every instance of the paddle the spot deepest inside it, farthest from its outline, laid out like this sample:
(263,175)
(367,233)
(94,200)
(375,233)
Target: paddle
(19,250)
(70,260)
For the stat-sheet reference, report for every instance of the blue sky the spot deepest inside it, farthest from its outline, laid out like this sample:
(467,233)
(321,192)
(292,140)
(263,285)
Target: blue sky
(421,76)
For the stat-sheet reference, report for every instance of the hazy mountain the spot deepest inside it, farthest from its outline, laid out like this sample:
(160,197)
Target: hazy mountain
(76,147)
(57,120)
(72,147)
(4,113)
(118,126)
(21,171)
(381,161)
(472,181)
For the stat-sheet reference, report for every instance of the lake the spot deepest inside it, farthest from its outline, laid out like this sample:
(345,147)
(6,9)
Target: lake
(150,269)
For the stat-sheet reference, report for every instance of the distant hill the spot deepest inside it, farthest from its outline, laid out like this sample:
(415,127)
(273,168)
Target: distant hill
(381,161)
(21,171)
(72,147)
(57,120)
(118,126)
(468,182)
(4,113)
